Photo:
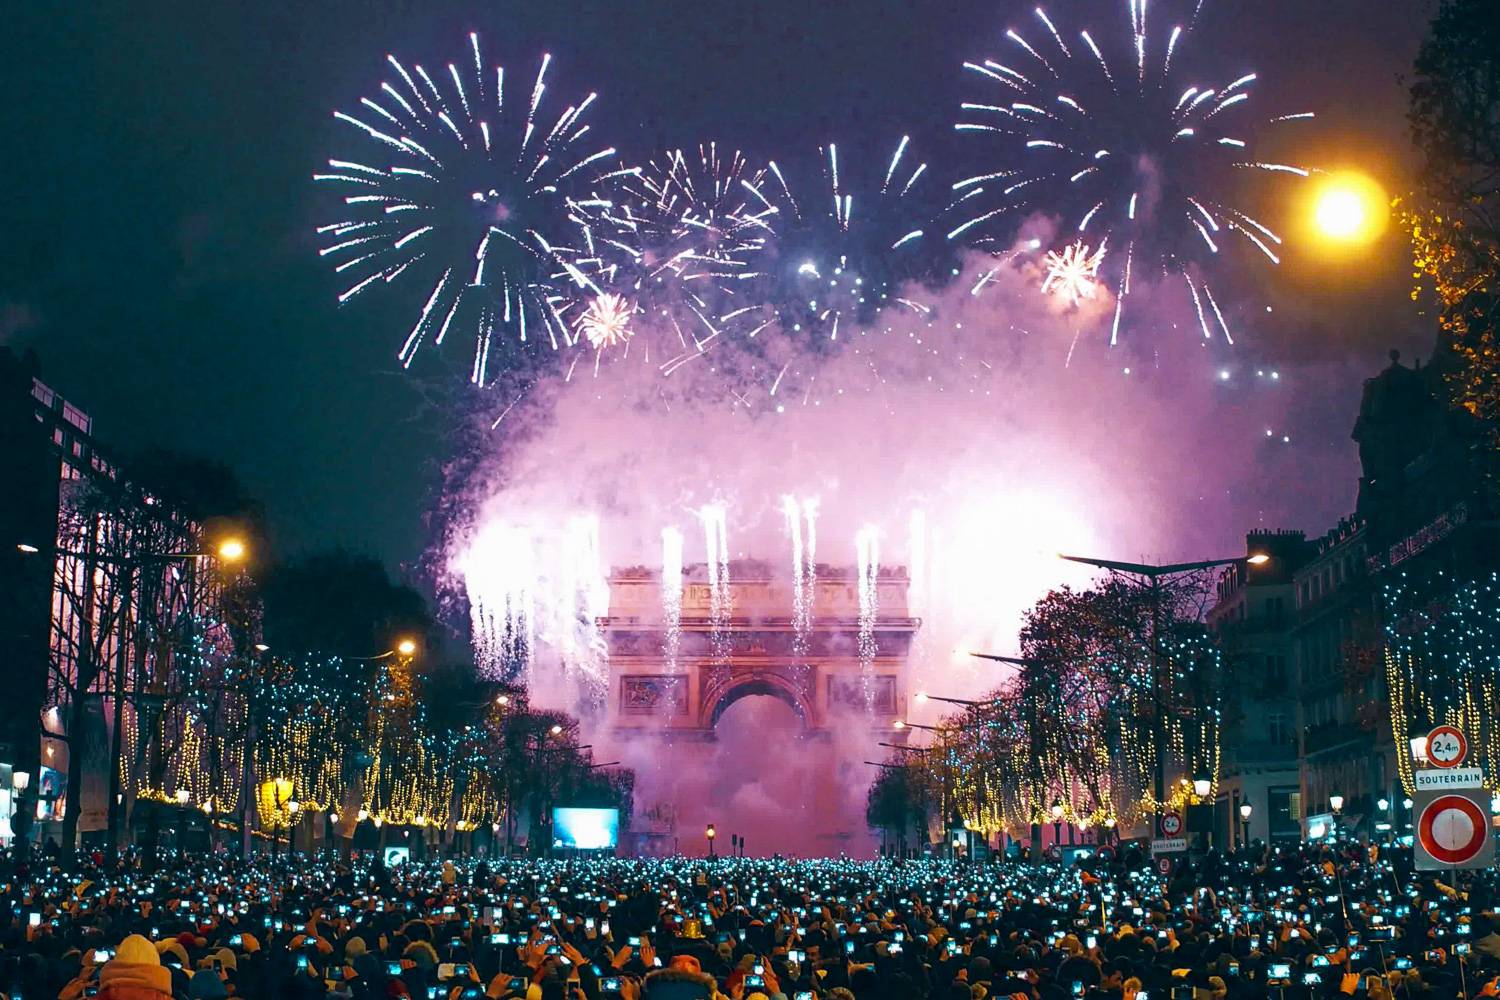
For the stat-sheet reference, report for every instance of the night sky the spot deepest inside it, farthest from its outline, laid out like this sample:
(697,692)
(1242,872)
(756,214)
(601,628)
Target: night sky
(157,222)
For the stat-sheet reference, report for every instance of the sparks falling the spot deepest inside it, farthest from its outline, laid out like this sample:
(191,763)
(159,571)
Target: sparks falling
(671,594)
(720,597)
(802,526)
(867,551)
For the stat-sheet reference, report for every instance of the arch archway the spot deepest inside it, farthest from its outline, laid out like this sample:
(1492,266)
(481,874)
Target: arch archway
(758,686)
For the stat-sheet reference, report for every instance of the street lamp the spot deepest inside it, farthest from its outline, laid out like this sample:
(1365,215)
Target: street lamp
(711,833)
(1337,802)
(923,697)
(20,780)
(1384,804)
(232,549)
(1418,746)
(1202,786)
(556,729)
(406,647)
(182,796)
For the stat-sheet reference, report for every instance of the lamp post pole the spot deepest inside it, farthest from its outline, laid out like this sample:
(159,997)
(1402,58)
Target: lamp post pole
(1034,761)
(1154,574)
(115,803)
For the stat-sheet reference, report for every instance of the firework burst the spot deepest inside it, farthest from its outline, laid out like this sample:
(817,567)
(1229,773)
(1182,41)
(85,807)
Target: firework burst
(1123,150)
(1073,273)
(472,189)
(605,322)
(841,254)
(680,239)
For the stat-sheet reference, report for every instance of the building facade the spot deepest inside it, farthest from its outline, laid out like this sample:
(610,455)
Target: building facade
(1252,619)
(112,605)
(1322,711)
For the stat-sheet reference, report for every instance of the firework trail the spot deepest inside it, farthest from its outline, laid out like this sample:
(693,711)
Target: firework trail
(1125,151)
(473,189)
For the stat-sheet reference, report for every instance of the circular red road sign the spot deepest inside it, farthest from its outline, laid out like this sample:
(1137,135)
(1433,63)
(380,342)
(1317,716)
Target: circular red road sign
(1171,824)
(1164,864)
(1452,829)
(1447,746)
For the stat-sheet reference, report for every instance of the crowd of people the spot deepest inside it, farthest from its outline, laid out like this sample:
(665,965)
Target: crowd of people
(1294,923)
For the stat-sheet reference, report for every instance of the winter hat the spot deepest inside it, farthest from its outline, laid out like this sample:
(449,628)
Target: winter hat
(136,963)
(173,947)
(207,985)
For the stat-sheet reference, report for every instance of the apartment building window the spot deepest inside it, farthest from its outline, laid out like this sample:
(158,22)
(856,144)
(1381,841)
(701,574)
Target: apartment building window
(1277,729)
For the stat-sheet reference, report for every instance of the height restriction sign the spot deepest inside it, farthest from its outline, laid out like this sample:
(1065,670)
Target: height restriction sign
(1453,830)
(1447,746)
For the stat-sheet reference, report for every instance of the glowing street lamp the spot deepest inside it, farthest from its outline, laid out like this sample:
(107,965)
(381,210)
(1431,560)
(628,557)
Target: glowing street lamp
(182,796)
(923,698)
(1337,802)
(19,780)
(1348,210)
(406,647)
(232,550)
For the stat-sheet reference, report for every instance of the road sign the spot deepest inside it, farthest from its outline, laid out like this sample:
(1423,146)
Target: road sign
(1170,824)
(1447,746)
(1453,830)
(1169,845)
(1438,779)
(1106,853)
(1164,864)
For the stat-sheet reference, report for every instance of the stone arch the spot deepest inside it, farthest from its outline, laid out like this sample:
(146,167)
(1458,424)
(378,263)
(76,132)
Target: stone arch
(759,686)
